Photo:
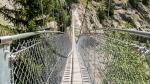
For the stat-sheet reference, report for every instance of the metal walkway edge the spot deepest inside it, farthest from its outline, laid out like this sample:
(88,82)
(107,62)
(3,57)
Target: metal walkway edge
(75,72)
(67,77)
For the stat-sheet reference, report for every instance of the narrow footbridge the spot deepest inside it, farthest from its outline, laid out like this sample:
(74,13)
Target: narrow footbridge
(47,57)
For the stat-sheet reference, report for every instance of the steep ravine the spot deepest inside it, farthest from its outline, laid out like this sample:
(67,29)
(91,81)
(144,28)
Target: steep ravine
(125,16)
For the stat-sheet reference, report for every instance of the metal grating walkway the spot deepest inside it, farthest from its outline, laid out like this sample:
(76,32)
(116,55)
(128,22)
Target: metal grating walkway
(75,72)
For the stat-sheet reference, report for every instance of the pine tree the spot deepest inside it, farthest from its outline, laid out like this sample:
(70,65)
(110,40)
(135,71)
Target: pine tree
(69,2)
(134,3)
(29,14)
(110,7)
(146,2)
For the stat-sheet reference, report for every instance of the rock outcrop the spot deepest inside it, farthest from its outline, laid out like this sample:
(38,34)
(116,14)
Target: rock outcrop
(88,18)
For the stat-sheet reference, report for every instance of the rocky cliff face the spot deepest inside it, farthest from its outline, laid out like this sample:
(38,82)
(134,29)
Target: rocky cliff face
(88,19)
(9,5)
(124,13)
(125,16)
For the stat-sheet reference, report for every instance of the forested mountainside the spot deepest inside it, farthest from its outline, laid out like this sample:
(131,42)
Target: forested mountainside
(28,15)
(126,63)
(115,13)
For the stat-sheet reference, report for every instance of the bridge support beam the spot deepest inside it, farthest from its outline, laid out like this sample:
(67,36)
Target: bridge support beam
(5,74)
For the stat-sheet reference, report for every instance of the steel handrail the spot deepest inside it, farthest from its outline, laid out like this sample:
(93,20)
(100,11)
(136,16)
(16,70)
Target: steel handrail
(7,39)
(131,31)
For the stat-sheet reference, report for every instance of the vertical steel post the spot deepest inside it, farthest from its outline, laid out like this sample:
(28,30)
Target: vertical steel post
(5,76)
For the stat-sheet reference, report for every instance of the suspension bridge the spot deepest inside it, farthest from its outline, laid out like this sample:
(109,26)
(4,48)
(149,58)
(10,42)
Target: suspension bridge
(53,57)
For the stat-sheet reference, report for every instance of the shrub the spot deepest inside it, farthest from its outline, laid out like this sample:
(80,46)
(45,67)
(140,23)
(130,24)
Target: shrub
(134,3)
(145,2)
(65,16)
(101,10)
(110,7)
(105,9)
(69,2)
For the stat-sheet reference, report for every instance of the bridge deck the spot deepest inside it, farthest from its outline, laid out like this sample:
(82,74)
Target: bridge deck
(75,72)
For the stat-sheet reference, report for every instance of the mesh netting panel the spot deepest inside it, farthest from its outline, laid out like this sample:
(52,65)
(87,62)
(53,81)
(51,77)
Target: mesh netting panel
(109,61)
(39,60)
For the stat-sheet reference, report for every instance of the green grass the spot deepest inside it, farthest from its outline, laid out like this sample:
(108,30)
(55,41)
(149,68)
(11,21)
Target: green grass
(84,2)
(6,30)
(126,66)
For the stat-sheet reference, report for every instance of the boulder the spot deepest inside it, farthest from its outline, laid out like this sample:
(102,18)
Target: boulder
(53,25)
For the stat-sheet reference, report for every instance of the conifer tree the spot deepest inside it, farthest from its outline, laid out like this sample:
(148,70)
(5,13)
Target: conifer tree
(29,14)
(146,2)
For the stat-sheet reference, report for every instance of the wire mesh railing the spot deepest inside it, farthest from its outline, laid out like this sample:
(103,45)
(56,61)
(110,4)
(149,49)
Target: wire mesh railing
(87,50)
(112,57)
(116,56)
(34,58)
